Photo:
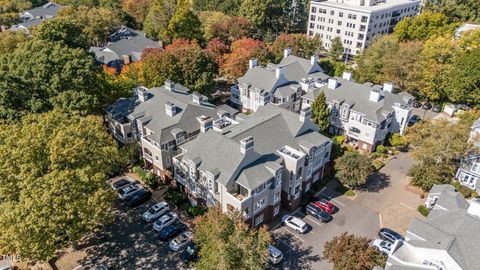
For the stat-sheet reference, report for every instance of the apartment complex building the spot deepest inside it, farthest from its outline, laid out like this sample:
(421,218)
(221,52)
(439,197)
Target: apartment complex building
(281,85)
(468,173)
(446,239)
(364,113)
(253,164)
(356,22)
(159,120)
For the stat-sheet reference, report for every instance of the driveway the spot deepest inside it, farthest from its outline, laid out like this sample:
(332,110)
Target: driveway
(387,192)
(304,251)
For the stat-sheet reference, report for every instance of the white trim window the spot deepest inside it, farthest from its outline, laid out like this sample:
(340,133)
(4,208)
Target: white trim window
(276,210)
(259,220)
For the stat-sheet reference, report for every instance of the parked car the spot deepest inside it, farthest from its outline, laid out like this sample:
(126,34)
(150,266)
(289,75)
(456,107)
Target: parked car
(295,223)
(274,255)
(413,119)
(181,241)
(437,108)
(164,221)
(129,190)
(427,106)
(417,104)
(326,206)
(316,211)
(121,183)
(155,211)
(138,198)
(389,235)
(382,246)
(190,254)
(172,230)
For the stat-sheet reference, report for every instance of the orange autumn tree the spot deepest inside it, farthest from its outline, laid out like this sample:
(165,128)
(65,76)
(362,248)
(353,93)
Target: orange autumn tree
(236,63)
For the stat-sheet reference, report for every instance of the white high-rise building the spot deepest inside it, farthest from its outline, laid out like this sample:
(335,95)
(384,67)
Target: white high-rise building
(356,22)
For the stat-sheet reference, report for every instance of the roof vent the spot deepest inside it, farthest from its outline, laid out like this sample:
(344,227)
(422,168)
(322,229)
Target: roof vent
(252,63)
(197,98)
(388,87)
(246,145)
(278,72)
(313,60)
(206,122)
(287,52)
(375,95)
(305,114)
(347,75)
(141,93)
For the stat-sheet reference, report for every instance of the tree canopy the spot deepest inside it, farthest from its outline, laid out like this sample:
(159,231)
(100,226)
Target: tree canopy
(49,75)
(300,44)
(226,242)
(157,19)
(184,23)
(353,169)
(53,190)
(236,63)
(348,251)
(437,145)
(336,48)
(229,7)
(423,26)
(320,113)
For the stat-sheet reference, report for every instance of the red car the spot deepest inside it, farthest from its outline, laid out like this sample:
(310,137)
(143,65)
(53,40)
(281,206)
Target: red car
(326,206)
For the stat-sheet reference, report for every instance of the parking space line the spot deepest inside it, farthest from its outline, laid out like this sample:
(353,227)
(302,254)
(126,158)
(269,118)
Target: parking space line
(335,200)
(281,241)
(314,221)
(293,234)
(408,206)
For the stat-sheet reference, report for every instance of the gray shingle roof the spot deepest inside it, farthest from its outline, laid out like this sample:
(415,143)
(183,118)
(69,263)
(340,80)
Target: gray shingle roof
(476,124)
(358,97)
(48,10)
(125,41)
(153,115)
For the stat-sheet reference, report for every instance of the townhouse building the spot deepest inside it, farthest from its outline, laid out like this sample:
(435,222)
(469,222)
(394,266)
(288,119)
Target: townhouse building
(160,119)
(124,46)
(254,164)
(468,173)
(364,113)
(35,16)
(281,85)
(446,239)
(356,22)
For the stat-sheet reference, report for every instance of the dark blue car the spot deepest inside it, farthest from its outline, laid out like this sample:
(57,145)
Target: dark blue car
(190,254)
(172,231)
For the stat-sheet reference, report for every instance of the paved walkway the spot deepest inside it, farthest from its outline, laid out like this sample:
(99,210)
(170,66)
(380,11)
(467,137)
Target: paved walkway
(388,193)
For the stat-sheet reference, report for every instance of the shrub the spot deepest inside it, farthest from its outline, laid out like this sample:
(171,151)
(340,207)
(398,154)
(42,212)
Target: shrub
(195,211)
(381,149)
(175,197)
(147,177)
(423,210)
(466,191)
(397,141)
(377,164)
(347,148)
(339,139)
(349,193)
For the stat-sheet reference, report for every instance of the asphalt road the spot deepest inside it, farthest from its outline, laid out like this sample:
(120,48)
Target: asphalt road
(131,243)
(304,251)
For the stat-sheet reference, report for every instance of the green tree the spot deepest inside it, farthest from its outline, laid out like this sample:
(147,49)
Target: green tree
(300,44)
(456,10)
(54,76)
(264,14)
(436,145)
(226,242)
(353,169)
(63,31)
(231,29)
(371,63)
(464,81)
(229,7)
(9,40)
(184,23)
(209,20)
(157,19)
(320,113)
(422,27)
(183,62)
(348,251)
(53,175)
(336,48)
(402,66)
(96,23)
(138,9)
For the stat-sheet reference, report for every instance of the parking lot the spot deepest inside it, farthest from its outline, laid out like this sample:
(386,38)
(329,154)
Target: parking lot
(304,251)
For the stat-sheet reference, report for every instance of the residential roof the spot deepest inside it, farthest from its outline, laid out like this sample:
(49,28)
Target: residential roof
(357,96)
(48,10)
(451,230)
(293,70)
(448,198)
(125,41)
(152,112)
(271,128)
(476,124)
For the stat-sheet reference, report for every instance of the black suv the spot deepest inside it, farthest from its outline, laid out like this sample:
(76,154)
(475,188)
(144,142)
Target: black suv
(138,198)
(172,230)
(389,235)
(318,212)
